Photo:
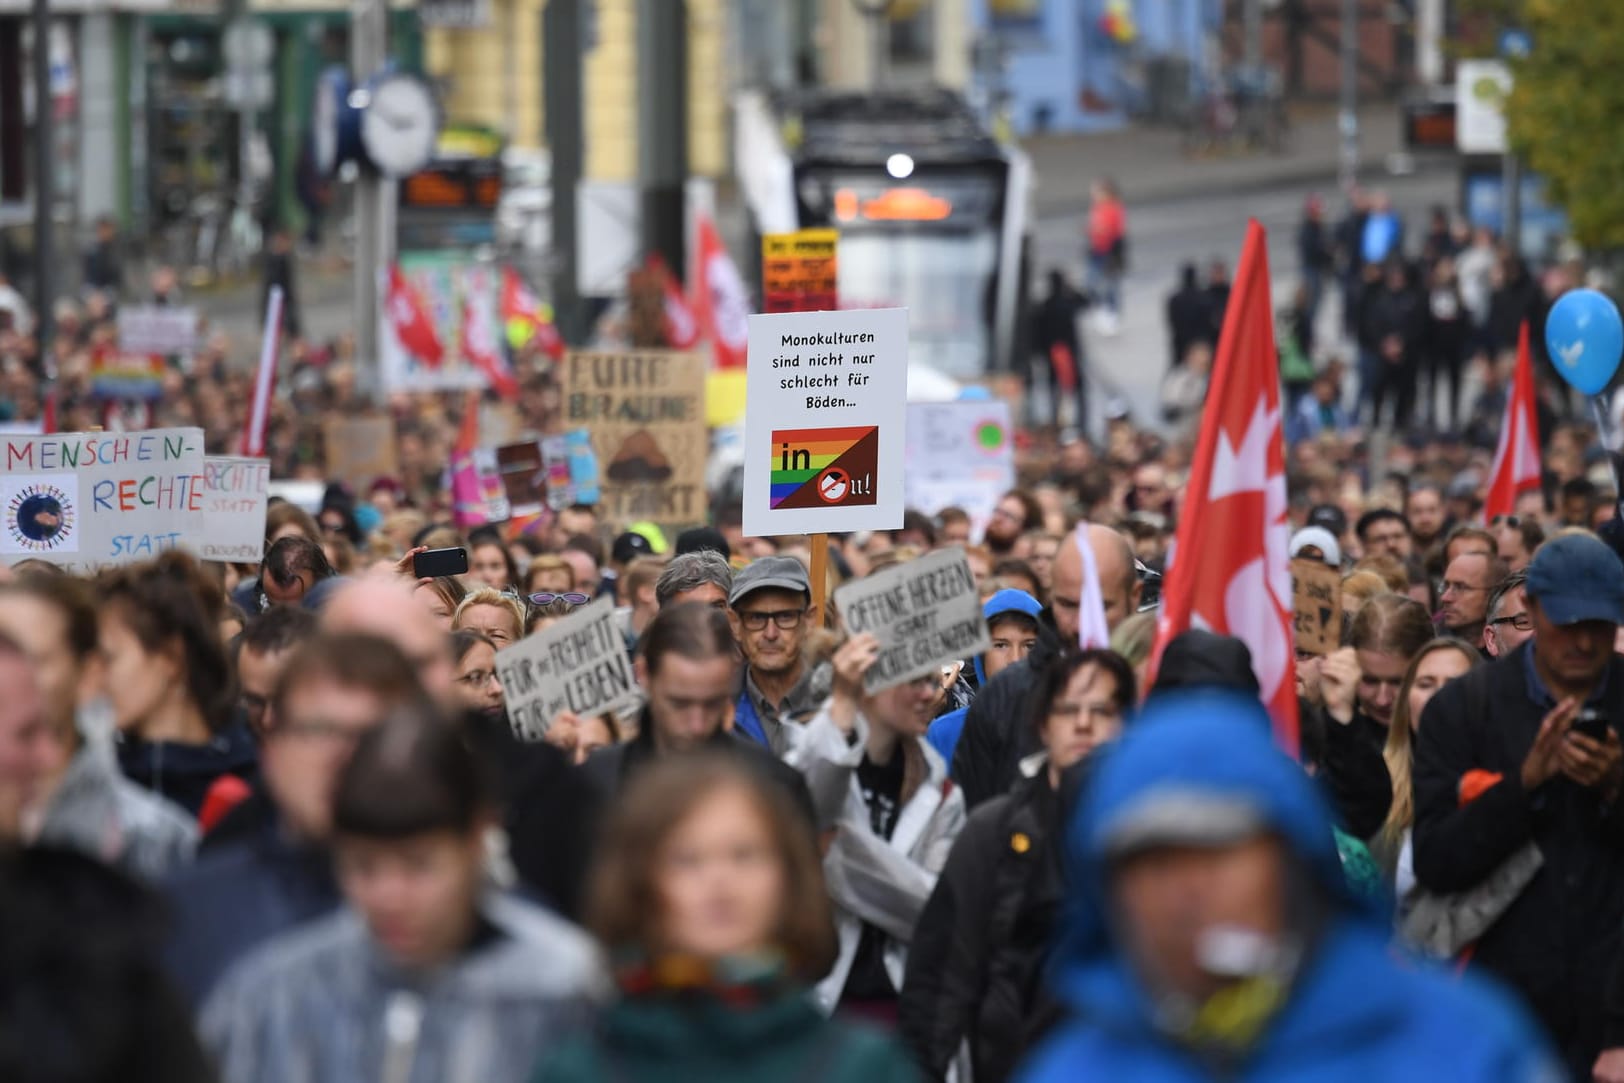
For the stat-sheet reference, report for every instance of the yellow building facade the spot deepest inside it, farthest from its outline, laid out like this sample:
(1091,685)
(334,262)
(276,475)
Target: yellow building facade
(493,77)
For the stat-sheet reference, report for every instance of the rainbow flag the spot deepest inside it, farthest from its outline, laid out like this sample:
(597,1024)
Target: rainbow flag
(813,467)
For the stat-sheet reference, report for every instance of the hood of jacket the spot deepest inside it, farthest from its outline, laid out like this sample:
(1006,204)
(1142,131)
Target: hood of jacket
(1189,754)
(1008,601)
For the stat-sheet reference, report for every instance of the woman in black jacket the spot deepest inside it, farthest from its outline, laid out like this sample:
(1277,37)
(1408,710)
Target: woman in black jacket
(977,957)
(1444,342)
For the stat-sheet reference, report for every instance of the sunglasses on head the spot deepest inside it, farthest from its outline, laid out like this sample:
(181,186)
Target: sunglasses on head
(548,598)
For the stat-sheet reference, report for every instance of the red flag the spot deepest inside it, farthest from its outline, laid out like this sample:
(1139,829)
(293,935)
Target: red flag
(681,326)
(411,320)
(518,303)
(1229,568)
(480,349)
(723,305)
(1516,459)
(48,418)
(259,410)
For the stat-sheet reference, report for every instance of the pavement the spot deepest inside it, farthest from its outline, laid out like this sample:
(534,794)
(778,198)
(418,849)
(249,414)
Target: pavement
(1150,164)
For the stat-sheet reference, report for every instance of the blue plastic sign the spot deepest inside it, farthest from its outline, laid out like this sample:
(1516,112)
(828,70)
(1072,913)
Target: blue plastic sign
(1585,338)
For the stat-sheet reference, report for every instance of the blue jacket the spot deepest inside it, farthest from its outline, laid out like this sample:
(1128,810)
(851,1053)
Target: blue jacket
(943,734)
(1356,1011)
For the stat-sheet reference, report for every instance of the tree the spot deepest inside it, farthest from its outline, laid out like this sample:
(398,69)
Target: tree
(1565,108)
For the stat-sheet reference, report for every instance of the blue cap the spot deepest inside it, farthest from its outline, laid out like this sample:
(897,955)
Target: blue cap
(1011,601)
(1577,578)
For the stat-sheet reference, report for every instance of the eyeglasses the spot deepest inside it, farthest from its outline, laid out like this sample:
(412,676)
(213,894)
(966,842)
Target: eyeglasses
(1521,621)
(476,677)
(1450,587)
(755,620)
(1506,520)
(548,598)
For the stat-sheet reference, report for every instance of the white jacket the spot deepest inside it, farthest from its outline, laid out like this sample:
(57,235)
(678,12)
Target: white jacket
(884,883)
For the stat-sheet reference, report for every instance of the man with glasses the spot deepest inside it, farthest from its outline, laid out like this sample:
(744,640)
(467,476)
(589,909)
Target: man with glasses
(769,613)
(265,868)
(1509,625)
(1384,530)
(263,650)
(1463,605)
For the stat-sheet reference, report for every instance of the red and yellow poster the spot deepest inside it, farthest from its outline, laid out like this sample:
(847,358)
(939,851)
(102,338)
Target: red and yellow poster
(798,271)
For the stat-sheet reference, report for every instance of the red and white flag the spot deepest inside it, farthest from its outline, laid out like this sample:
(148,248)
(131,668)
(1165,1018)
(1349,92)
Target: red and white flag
(480,348)
(1092,630)
(723,304)
(1230,569)
(411,320)
(681,326)
(259,410)
(518,303)
(1516,459)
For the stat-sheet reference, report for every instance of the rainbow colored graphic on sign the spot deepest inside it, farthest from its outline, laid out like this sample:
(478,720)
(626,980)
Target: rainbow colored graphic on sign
(824,468)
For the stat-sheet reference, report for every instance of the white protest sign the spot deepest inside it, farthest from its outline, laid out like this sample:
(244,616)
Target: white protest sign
(235,493)
(960,454)
(926,613)
(579,665)
(825,410)
(89,499)
(156,329)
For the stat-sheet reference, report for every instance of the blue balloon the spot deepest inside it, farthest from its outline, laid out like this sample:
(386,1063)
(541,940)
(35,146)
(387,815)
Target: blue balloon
(1586,339)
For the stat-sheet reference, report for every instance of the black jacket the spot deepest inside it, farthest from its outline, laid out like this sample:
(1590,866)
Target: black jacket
(976,963)
(997,734)
(81,995)
(1558,942)
(549,810)
(1354,775)
(609,768)
(1189,320)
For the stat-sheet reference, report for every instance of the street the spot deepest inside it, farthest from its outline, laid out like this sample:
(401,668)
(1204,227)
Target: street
(1166,234)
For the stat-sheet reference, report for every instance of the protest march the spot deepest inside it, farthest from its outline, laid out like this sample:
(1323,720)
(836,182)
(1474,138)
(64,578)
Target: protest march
(860,633)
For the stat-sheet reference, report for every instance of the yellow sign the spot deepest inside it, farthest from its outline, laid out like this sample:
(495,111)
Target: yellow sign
(799,271)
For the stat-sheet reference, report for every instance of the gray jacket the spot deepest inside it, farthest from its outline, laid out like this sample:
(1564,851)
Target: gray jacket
(321,1005)
(98,812)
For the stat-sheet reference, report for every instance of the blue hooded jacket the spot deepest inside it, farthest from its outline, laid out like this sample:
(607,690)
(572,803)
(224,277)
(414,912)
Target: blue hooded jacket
(943,734)
(1355,1012)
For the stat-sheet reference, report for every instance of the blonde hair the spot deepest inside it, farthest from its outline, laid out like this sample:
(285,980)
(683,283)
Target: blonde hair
(1397,751)
(492,596)
(1389,568)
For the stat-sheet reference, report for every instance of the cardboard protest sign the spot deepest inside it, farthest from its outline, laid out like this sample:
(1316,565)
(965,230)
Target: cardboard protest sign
(360,450)
(1316,594)
(235,493)
(579,665)
(524,477)
(799,272)
(645,413)
(960,454)
(156,329)
(824,427)
(926,613)
(86,500)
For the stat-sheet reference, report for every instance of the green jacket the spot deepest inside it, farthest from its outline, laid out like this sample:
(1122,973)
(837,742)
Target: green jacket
(663,1037)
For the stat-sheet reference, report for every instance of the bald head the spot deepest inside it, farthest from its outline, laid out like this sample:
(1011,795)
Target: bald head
(383,606)
(1119,582)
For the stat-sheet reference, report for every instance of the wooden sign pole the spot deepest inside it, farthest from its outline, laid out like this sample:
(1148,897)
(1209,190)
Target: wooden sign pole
(820,577)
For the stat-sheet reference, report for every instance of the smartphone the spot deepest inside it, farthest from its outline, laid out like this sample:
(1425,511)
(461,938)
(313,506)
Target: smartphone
(436,563)
(1592,723)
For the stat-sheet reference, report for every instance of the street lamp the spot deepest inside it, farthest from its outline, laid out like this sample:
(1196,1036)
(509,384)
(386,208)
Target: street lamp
(875,11)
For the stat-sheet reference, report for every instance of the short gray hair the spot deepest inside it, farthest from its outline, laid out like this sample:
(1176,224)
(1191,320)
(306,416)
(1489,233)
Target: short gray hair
(690,571)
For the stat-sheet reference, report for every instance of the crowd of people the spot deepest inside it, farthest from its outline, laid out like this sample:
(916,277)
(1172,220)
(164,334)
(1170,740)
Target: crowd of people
(267,823)
(272,823)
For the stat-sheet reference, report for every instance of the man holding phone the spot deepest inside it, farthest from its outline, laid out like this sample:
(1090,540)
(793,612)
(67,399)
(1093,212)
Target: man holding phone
(1528,749)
